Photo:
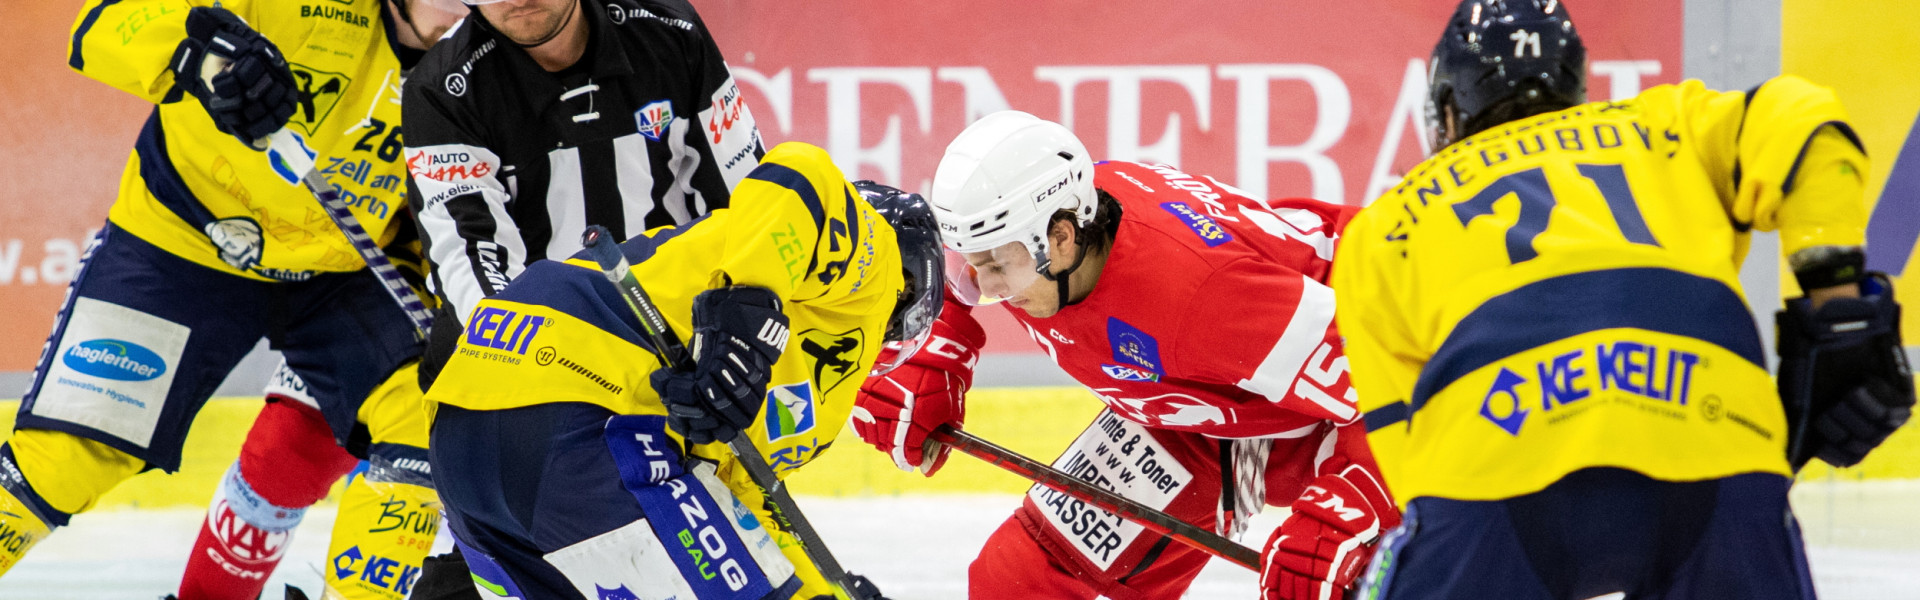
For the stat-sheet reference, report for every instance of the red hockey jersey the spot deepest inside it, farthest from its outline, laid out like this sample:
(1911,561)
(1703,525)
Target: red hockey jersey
(1212,314)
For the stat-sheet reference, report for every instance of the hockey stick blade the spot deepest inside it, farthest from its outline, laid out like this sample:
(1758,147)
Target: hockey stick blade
(295,159)
(1043,474)
(613,263)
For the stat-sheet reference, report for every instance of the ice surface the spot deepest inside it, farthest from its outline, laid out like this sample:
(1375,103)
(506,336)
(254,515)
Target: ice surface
(917,547)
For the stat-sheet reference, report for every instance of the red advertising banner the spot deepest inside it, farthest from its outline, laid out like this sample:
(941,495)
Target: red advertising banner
(1285,98)
(1317,99)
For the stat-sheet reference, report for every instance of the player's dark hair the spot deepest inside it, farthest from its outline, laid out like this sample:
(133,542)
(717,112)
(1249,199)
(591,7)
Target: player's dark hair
(1513,108)
(1098,235)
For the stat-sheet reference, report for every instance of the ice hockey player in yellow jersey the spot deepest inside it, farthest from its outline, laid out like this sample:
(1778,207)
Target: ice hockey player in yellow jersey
(1561,379)
(210,246)
(573,466)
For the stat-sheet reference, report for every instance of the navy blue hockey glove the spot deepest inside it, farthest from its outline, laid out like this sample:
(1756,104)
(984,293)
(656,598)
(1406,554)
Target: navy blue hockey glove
(1843,374)
(247,88)
(738,333)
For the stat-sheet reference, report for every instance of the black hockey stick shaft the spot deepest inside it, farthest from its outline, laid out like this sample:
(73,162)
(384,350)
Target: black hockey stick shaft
(294,155)
(613,263)
(1044,474)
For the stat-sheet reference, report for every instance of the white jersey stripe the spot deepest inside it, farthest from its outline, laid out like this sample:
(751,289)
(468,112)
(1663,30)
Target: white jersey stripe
(1304,334)
(635,169)
(684,163)
(566,203)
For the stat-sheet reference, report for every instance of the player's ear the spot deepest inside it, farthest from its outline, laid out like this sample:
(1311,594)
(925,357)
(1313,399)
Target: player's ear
(1061,236)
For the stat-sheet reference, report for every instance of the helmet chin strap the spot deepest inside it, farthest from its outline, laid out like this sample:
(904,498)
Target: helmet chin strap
(1080,256)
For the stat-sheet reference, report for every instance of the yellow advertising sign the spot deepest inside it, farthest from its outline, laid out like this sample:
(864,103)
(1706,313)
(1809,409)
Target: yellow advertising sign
(1865,50)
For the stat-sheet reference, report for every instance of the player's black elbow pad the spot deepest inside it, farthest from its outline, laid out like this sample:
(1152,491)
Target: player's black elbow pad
(1844,376)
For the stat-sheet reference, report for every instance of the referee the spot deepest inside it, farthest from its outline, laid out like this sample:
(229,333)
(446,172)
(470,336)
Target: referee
(533,119)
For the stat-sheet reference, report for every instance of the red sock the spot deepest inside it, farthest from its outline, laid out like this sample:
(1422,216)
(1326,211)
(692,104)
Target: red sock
(288,462)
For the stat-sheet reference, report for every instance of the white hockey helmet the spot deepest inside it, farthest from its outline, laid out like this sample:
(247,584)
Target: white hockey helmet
(1004,177)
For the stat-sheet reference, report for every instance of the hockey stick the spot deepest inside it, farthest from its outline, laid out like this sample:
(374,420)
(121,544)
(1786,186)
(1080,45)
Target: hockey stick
(298,163)
(613,263)
(1043,474)
(295,164)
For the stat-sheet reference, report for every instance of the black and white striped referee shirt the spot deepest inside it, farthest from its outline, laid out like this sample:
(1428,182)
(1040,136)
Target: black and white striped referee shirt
(510,163)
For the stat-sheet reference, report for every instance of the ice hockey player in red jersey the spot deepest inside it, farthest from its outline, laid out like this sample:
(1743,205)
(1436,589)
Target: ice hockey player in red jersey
(1198,314)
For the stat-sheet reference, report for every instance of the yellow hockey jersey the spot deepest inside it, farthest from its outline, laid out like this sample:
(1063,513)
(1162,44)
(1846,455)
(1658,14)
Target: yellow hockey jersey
(560,332)
(192,190)
(1561,292)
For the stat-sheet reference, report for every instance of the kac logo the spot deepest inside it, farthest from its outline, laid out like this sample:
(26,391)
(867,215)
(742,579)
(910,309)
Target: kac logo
(1133,347)
(115,359)
(618,593)
(1208,230)
(790,410)
(654,118)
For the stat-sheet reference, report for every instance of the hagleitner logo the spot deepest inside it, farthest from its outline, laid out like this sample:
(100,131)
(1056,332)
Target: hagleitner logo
(115,359)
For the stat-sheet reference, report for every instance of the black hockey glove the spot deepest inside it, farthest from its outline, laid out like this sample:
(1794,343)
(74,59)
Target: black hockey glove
(1843,374)
(254,94)
(738,333)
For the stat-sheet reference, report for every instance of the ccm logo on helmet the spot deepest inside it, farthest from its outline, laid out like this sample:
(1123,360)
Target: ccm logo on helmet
(1037,198)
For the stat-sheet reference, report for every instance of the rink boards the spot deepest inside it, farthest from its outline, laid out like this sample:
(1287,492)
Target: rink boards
(1037,422)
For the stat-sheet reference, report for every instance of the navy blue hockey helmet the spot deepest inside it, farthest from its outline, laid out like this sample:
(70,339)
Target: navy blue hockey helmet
(922,258)
(1501,60)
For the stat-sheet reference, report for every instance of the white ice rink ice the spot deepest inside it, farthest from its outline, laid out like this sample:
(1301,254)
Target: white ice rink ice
(1863,538)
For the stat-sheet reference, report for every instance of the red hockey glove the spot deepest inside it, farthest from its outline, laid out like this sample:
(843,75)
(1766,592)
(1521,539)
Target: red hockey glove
(897,411)
(1319,550)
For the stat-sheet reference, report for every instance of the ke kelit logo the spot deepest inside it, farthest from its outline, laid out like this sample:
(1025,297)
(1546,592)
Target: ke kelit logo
(373,569)
(654,118)
(790,410)
(115,359)
(1623,368)
(1502,405)
(1133,347)
(502,329)
(1205,227)
(1126,373)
